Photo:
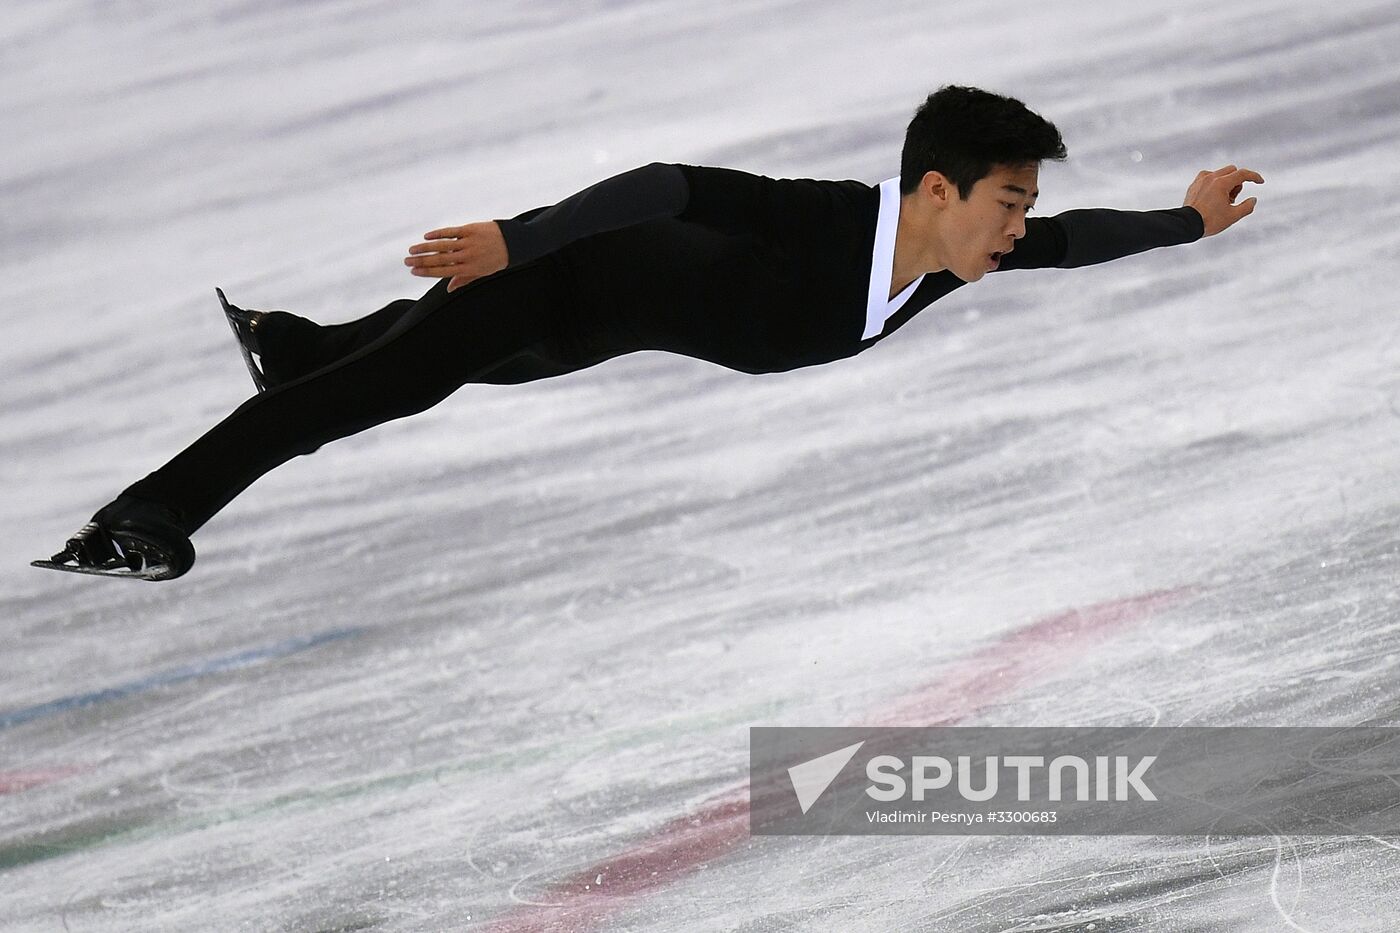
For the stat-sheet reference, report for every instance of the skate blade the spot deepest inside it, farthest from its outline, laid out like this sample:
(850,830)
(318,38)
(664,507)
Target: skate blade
(152,572)
(135,558)
(237,323)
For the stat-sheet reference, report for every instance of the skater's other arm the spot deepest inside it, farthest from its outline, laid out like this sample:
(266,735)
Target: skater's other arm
(475,250)
(1086,237)
(648,193)
(724,199)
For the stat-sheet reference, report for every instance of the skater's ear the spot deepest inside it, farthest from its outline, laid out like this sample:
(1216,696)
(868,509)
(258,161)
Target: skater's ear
(936,190)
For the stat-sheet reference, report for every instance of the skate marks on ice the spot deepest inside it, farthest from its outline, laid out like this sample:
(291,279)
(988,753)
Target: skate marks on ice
(688,843)
(1114,884)
(86,832)
(1329,606)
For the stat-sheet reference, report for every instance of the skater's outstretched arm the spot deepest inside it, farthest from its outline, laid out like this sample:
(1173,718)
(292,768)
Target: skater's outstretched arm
(1086,237)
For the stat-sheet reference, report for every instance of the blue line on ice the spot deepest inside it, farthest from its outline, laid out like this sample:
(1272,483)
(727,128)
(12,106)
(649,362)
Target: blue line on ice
(177,675)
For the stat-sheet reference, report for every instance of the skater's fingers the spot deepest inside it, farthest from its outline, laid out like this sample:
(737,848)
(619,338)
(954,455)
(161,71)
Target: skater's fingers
(446,269)
(1239,175)
(456,253)
(416,254)
(443,265)
(429,248)
(440,246)
(451,239)
(435,261)
(426,255)
(468,239)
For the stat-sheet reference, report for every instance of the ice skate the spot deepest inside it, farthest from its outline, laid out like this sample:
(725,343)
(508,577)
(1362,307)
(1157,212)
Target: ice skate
(131,538)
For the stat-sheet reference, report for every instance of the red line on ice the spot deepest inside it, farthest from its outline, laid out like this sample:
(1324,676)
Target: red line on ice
(13,782)
(690,842)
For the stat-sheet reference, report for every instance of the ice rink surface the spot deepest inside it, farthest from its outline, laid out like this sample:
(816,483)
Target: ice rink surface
(493,667)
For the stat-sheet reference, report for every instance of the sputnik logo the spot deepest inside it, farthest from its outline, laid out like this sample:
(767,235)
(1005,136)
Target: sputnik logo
(811,778)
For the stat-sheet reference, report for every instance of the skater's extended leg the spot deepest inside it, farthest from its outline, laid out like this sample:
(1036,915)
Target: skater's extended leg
(648,287)
(513,327)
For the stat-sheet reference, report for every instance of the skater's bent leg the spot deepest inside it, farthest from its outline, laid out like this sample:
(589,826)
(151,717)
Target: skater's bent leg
(518,320)
(292,346)
(333,342)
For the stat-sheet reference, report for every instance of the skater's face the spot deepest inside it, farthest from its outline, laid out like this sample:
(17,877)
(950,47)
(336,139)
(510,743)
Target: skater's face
(975,233)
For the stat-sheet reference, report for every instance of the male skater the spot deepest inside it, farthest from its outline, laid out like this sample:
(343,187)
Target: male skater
(756,274)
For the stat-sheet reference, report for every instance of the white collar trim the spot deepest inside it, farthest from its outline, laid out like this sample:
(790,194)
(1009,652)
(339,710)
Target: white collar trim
(879,307)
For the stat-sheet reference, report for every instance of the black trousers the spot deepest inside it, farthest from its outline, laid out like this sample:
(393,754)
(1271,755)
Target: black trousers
(730,299)
(519,325)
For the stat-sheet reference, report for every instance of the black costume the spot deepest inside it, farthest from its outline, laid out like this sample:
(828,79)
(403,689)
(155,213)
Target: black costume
(756,274)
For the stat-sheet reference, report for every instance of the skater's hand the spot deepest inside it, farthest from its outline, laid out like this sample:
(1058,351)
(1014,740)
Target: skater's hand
(1213,195)
(462,254)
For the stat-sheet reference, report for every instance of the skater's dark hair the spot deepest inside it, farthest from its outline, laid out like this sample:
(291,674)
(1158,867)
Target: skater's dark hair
(962,132)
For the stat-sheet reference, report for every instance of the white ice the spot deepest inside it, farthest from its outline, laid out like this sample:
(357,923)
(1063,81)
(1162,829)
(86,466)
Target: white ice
(561,605)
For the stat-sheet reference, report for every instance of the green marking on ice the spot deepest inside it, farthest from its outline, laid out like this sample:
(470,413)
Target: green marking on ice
(127,829)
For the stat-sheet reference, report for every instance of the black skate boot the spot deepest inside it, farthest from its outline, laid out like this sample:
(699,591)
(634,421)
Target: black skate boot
(249,327)
(255,330)
(133,538)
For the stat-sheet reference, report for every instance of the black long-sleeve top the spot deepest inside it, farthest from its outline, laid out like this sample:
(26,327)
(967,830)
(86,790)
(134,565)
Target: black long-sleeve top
(765,274)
